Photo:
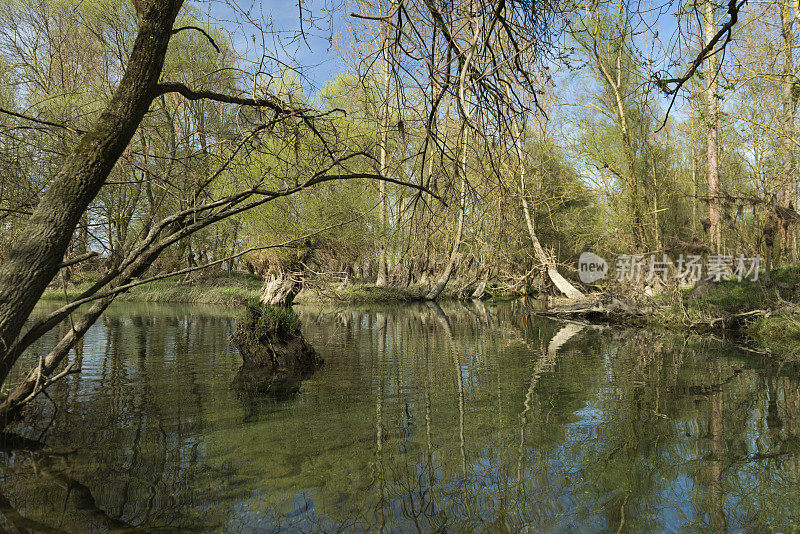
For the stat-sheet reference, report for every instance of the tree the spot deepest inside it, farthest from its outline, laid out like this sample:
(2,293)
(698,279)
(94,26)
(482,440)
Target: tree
(38,255)
(711,117)
(34,260)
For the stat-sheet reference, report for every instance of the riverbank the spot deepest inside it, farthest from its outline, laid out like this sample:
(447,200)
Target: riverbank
(237,289)
(765,313)
(358,293)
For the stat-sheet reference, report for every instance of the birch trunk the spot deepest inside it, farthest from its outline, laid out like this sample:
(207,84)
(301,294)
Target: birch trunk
(382,267)
(712,125)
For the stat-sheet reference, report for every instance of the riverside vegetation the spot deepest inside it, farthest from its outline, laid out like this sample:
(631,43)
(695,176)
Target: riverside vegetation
(177,151)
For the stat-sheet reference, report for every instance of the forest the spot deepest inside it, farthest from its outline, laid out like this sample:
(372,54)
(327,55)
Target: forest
(468,149)
(343,153)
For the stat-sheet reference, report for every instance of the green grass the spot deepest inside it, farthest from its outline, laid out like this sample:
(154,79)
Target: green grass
(359,294)
(238,289)
(781,325)
(370,293)
(234,290)
(780,331)
(263,321)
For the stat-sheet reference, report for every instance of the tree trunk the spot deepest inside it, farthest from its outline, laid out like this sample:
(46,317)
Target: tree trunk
(281,290)
(694,174)
(276,358)
(34,259)
(788,179)
(36,379)
(437,289)
(561,283)
(613,83)
(712,124)
(382,267)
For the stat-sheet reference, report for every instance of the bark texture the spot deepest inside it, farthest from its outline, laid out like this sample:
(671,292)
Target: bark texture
(788,192)
(35,258)
(281,290)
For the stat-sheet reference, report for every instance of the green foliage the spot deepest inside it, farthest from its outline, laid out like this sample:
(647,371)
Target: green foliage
(267,321)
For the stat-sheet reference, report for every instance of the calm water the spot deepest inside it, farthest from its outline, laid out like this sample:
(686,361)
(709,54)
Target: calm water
(451,419)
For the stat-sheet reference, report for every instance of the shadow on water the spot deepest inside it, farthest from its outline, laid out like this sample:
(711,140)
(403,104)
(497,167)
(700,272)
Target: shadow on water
(425,417)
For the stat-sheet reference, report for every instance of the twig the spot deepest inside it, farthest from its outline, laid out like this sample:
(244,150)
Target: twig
(201,30)
(78,259)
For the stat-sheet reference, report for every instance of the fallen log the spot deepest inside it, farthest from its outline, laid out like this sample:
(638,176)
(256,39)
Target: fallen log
(608,308)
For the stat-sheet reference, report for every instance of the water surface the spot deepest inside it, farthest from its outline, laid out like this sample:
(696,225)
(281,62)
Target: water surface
(424,418)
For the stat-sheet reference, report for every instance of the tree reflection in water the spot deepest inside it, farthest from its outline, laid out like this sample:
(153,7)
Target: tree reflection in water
(425,418)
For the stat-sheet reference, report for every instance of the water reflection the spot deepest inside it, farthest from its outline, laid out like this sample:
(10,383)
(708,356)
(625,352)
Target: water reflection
(425,418)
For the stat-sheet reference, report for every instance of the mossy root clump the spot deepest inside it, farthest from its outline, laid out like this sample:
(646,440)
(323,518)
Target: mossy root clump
(275,355)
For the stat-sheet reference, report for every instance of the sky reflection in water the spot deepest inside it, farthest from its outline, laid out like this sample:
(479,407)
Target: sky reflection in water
(424,418)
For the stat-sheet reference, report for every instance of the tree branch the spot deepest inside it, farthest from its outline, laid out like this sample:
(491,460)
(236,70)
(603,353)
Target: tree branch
(191,94)
(201,30)
(42,122)
(725,31)
(77,259)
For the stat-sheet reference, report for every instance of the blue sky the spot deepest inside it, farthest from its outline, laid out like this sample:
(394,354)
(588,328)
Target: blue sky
(312,55)
(315,59)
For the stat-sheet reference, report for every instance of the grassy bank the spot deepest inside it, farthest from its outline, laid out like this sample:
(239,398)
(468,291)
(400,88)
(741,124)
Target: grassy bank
(227,290)
(768,314)
(239,288)
(369,293)
(765,313)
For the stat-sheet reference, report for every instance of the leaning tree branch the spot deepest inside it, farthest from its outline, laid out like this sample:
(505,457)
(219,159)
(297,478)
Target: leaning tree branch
(705,53)
(350,176)
(272,103)
(42,122)
(725,31)
(77,259)
(140,258)
(32,386)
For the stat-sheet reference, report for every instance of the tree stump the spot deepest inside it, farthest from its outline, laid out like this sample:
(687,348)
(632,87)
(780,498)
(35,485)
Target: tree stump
(276,358)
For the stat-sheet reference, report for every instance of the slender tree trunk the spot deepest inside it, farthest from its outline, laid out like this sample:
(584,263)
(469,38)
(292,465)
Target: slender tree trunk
(437,289)
(613,82)
(694,175)
(382,267)
(788,177)
(561,283)
(34,259)
(712,126)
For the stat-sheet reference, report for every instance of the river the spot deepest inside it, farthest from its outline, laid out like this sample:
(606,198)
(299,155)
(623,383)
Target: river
(424,418)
